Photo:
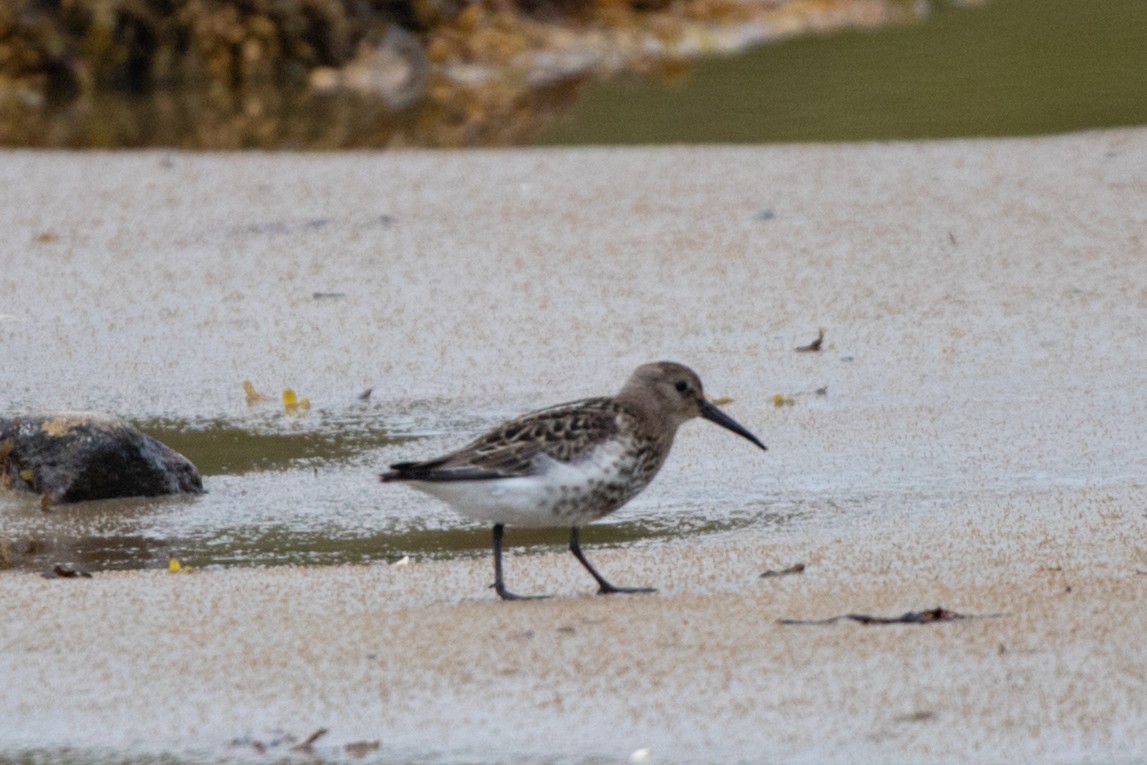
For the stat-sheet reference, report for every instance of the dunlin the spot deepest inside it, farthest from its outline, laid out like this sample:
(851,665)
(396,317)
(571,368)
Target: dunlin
(570,464)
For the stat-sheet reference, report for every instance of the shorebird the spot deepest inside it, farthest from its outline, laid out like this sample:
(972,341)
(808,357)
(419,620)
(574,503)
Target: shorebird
(569,464)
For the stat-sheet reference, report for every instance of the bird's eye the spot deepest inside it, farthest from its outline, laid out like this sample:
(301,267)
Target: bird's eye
(681,386)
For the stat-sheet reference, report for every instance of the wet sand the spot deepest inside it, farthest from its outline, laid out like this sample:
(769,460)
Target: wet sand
(980,448)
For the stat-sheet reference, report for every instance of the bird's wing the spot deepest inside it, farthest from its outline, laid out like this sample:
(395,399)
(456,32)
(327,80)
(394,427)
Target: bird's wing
(563,433)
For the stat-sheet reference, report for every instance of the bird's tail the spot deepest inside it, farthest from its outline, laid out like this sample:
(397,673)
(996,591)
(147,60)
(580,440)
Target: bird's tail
(409,471)
(434,471)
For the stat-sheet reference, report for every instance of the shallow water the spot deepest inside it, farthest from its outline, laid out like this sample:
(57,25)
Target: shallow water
(1008,67)
(305,492)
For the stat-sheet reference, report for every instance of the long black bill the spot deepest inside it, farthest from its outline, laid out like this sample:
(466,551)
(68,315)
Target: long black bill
(713,414)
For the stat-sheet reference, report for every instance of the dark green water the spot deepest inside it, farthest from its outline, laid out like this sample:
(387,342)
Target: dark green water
(1010,67)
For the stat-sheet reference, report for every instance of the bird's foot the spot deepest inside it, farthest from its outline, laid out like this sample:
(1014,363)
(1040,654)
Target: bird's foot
(609,589)
(505,594)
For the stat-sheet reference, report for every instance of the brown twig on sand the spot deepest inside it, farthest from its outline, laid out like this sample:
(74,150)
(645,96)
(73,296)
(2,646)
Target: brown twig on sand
(796,568)
(911,617)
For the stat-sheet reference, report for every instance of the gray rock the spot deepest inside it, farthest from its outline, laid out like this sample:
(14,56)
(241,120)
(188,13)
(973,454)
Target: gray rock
(78,456)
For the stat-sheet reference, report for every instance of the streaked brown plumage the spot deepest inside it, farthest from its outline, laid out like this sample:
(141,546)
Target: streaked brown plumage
(569,464)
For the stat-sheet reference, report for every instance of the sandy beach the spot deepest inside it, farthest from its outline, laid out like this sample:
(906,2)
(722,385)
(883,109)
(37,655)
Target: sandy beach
(980,448)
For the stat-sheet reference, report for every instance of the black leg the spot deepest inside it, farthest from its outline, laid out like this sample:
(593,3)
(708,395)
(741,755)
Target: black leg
(499,586)
(605,588)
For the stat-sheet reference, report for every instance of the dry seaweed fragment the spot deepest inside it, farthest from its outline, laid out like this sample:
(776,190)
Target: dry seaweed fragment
(292,404)
(279,740)
(66,571)
(253,396)
(796,568)
(175,566)
(790,399)
(814,345)
(361,749)
(937,614)
(921,716)
(305,747)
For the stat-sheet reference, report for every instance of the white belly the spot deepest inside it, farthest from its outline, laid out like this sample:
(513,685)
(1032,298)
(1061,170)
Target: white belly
(558,494)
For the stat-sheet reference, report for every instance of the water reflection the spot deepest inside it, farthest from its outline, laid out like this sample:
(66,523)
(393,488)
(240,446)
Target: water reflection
(218,447)
(300,517)
(270,118)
